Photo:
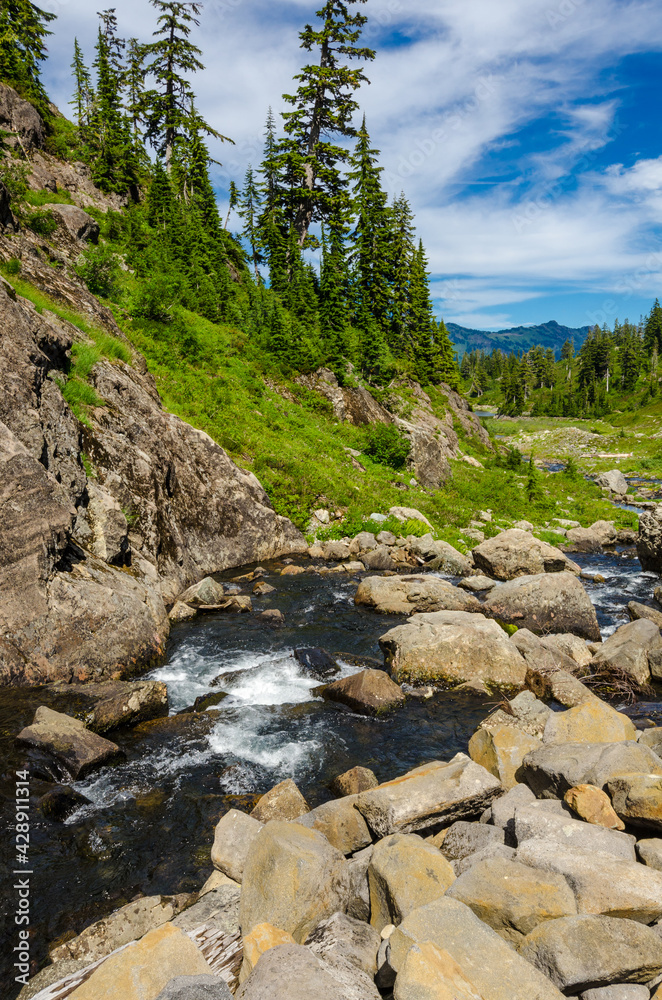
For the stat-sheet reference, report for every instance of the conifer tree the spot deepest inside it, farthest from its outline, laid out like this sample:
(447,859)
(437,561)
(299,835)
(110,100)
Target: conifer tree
(233,201)
(421,346)
(23,34)
(134,81)
(250,203)
(653,329)
(403,249)
(334,311)
(114,162)
(324,105)
(167,108)
(83,99)
(371,235)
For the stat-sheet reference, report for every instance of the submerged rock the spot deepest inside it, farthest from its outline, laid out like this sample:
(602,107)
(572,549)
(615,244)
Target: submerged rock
(371,692)
(108,705)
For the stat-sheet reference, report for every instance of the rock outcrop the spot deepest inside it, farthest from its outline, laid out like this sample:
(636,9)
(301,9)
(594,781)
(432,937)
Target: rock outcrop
(85,591)
(516,553)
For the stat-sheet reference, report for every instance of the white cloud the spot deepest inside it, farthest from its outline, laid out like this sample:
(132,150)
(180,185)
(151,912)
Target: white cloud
(472,75)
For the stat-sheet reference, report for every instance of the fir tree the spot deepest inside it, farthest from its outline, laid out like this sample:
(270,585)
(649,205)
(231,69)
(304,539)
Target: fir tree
(233,201)
(334,312)
(250,203)
(83,99)
(324,105)
(371,238)
(113,155)
(167,109)
(23,34)
(420,320)
(653,329)
(134,82)
(403,250)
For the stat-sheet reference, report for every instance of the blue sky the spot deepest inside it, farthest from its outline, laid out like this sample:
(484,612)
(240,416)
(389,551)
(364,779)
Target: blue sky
(525,133)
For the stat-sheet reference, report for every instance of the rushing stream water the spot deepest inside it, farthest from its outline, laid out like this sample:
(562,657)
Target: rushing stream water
(149,825)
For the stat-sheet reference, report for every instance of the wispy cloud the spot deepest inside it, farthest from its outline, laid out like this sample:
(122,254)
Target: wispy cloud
(497,119)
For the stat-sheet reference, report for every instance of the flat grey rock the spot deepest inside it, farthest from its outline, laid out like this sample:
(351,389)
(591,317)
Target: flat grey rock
(463,839)
(588,952)
(292,972)
(533,823)
(196,988)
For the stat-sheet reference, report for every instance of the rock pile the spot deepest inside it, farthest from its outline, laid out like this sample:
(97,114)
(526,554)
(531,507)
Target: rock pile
(530,868)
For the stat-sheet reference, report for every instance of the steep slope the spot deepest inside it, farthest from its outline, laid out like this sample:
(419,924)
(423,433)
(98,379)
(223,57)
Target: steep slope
(104,524)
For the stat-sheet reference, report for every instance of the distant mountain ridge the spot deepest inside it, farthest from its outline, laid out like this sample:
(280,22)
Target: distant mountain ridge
(519,338)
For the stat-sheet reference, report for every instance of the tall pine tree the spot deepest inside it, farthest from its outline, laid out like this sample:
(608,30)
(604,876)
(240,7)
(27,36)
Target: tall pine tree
(324,105)
(23,34)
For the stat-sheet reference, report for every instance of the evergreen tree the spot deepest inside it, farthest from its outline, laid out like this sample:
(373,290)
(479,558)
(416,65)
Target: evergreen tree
(233,201)
(324,105)
(421,346)
(250,203)
(403,249)
(83,99)
(653,329)
(334,311)
(167,109)
(134,81)
(445,362)
(113,155)
(371,237)
(23,34)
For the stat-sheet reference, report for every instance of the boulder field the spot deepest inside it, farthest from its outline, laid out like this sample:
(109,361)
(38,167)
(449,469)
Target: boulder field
(530,867)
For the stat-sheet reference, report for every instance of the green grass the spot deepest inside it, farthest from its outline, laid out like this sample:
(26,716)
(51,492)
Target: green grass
(217,379)
(40,198)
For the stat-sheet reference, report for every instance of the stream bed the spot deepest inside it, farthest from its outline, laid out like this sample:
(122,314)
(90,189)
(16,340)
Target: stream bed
(149,825)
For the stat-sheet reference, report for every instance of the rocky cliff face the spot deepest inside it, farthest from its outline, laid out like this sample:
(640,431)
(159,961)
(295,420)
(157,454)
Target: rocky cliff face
(104,525)
(433,440)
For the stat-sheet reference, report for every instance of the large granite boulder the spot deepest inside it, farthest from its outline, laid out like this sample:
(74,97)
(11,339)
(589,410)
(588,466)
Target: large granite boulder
(637,798)
(501,751)
(440,556)
(293,879)
(614,481)
(602,884)
(233,836)
(406,595)
(342,825)
(555,768)
(516,553)
(67,742)
(630,650)
(284,801)
(536,821)
(81,225)
(490,964)
(586,952)
(433,795)
(145,967)
(513,898)
(292,972)
(451,647)
(545,603)
(348,938)
(405,873)
(592,722)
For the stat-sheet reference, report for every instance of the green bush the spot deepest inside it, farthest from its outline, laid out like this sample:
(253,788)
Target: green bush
(42,223)
(387,445)
(100,269)
(13,176)
(12,267)
(157,299)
